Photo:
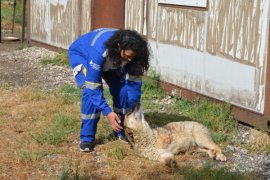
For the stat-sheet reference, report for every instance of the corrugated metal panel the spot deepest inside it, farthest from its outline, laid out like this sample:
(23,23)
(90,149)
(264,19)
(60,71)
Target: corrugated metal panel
(58,23)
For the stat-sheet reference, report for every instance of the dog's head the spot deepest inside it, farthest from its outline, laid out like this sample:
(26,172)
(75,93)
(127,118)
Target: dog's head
(135,118)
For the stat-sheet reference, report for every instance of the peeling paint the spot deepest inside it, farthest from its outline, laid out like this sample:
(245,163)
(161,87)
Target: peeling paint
(182,27)
(134,18)
(59,22)
(220,52)
(59,2)
(235,29)
(152,18)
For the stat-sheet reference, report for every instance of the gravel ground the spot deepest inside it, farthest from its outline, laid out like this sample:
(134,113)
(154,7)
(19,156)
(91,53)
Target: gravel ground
(21,68)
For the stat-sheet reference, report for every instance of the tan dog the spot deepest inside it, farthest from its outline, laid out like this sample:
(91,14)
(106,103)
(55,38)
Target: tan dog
(163,143)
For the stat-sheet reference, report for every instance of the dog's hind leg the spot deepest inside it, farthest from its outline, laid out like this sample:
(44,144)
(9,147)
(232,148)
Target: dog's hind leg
(210,152)
(206,144)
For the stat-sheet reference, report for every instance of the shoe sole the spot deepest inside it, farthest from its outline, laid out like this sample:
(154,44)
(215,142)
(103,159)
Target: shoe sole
(86,150)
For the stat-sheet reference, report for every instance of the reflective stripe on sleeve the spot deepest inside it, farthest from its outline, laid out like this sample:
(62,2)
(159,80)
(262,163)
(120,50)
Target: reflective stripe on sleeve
(134,78)
(92,85)
(99,34)
(90,116)
(123,110)
(77,69)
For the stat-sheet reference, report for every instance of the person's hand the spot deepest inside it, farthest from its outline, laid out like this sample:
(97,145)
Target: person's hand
(114,121)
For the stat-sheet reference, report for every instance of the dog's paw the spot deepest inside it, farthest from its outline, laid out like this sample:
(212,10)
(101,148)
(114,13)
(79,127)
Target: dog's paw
(168,159)
(221,157)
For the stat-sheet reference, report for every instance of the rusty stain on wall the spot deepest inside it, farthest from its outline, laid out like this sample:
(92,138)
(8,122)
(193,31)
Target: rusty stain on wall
(58,23)
(134,17)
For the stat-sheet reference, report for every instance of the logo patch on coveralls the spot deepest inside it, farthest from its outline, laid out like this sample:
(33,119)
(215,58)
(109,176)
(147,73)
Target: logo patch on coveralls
(94,65)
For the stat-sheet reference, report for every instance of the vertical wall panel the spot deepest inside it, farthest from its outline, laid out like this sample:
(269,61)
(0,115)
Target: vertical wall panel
(59,23)
(220,52)
(134,18)
(182,27)
(86,16)
(235,29)
(152,16)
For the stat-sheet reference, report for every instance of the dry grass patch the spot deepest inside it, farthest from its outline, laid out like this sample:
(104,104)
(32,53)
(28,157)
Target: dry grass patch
(25,113)
(259,141)
(39,134)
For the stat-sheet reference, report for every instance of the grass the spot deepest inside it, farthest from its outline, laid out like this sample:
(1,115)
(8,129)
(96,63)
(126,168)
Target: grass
(70,94)
(69,172)
(61,59)
(260,142)
(58,131)
(30,156)
(42,126)
(116,152)
(207,172)
(22,46)
(7,13)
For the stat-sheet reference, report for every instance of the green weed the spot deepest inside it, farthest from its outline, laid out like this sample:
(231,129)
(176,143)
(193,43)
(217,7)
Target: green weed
(151,89)
(22,46)
(104,131)
(7,11)
(58,131)
(69,173)
(116,152)
(30,156)
(60,59)
(210,174)
(71,94)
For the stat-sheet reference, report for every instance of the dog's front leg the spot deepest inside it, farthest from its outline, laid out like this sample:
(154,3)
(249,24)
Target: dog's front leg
(167,158)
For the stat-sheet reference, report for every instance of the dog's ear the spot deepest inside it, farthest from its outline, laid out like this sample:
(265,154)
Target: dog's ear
(137,110)
(136,107)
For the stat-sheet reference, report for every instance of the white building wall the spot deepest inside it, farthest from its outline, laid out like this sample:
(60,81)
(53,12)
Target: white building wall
(220,52)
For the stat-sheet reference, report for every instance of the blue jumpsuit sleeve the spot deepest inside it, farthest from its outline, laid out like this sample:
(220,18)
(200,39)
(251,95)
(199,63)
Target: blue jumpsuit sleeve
(78,61)
(93,83)
(134,86)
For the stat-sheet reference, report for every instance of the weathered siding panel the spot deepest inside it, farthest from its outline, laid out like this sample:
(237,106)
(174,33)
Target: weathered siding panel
(152,16)
(86,16)
(183,27)
(235,30)
(220,52)
(58,23)
(134,18)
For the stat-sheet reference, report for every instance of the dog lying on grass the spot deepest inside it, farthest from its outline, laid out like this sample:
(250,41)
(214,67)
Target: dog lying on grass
(163,143)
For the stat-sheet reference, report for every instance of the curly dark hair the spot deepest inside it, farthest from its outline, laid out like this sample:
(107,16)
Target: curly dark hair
(129,39)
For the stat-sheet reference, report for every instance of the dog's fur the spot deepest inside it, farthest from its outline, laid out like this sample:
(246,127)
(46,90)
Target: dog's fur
(163,143)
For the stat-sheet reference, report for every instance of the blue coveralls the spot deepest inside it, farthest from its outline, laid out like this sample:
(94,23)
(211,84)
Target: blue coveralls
(87,58)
